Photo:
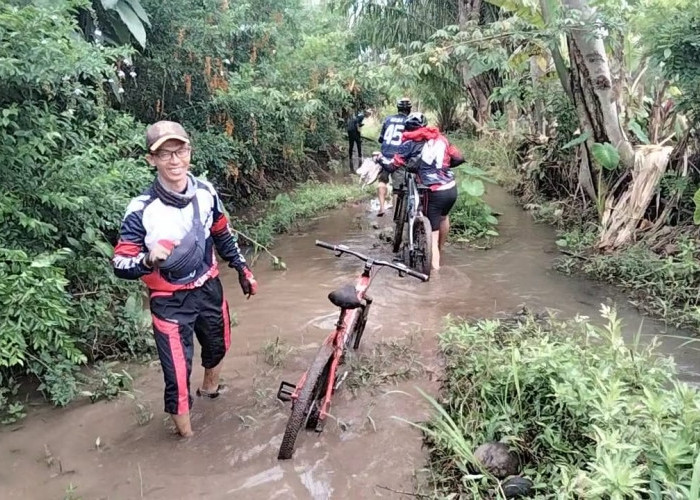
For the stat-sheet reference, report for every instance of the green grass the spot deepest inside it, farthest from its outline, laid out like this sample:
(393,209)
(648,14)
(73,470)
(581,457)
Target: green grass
(287,210)
(589,416)
(386,362)
(665,287)
(494,154)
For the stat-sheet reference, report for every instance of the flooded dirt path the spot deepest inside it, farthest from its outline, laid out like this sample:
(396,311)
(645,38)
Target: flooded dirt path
(366,451)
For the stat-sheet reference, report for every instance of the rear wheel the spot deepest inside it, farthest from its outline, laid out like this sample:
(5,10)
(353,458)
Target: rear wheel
(302,409)
(399,221)
(421,256)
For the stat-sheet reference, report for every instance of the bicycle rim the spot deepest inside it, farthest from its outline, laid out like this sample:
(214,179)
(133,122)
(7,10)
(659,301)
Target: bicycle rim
(422,254)
(315,382)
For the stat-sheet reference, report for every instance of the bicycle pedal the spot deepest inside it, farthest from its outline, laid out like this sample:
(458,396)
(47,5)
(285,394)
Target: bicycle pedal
(284,393)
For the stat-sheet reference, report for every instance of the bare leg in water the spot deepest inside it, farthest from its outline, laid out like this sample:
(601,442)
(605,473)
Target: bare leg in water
(438,241)
(381,192)
(444,231)
(435,264)
(211,379)
(210,385)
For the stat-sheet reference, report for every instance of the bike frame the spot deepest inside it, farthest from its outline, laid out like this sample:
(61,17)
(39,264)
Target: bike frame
(339,337)
(415,204)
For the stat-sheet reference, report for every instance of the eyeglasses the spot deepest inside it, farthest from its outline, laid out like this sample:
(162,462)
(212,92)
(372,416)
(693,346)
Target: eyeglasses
(167,155)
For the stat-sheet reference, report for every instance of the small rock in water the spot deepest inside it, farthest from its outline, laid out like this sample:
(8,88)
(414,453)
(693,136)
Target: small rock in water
(497,459)
(386,234)
(375,225)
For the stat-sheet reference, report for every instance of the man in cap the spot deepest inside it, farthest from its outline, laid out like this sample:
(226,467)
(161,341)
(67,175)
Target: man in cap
(167,239)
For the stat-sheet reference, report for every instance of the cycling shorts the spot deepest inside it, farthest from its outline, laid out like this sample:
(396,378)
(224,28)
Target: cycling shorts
(439,205)
(396,178)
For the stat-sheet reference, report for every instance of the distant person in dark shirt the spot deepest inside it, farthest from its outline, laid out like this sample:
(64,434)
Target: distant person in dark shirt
(354,124)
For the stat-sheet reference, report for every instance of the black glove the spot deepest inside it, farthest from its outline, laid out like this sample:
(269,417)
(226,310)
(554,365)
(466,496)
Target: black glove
(247,281)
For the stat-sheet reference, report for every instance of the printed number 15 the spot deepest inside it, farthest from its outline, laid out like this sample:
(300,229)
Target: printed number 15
(393,133)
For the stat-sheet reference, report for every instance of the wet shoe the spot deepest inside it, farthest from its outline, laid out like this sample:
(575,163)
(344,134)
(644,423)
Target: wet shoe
(201,393)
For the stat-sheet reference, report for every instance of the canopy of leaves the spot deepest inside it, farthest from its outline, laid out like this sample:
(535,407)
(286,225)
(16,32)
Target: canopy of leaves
(261,87)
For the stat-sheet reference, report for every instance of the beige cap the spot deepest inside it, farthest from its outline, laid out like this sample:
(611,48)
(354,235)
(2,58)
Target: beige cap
(162,131)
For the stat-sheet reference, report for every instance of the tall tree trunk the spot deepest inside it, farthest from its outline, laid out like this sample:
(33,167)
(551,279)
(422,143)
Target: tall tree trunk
(479,87)
(591,83)
(536,74)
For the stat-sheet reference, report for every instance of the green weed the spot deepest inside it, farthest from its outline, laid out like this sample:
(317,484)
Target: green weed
(275,351)
(109,384)
(661,286)
(590,416)
(386,362)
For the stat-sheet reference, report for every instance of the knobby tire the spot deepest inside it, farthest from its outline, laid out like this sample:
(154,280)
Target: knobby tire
(423,242)
(399,221)
(315,382)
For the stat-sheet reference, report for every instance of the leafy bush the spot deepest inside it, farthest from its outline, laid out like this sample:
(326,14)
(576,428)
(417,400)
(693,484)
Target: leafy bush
(303,202)
(69,168)
(471,216)
(674,41)
(589,416)
(261,86)
(662,286)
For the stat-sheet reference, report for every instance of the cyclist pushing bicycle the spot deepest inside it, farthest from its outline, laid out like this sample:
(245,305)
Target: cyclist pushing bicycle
(428,153)
(390,140)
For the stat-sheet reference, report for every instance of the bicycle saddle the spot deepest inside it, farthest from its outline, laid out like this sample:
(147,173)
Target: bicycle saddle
(345,297)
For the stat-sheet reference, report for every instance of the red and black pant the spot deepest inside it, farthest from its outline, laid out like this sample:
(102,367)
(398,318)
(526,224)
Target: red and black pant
(177,318)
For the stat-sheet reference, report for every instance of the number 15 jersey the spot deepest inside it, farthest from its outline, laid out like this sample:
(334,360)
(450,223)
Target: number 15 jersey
(390,136)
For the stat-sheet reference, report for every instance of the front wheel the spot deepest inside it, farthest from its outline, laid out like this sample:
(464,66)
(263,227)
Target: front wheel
(421,255)
(314,389)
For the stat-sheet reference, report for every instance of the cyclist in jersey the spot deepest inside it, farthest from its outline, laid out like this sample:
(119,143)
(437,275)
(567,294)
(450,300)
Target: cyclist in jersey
(167,239)
(354,124)
(390,139)
(427,152)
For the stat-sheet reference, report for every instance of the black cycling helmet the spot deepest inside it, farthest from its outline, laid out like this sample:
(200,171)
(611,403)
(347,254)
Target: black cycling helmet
(404,105)
(415,121)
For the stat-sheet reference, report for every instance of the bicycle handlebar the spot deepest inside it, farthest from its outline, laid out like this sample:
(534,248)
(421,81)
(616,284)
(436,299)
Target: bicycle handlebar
(341,249)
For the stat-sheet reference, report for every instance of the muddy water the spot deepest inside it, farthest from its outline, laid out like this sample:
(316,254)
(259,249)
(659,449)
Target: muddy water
(365,451)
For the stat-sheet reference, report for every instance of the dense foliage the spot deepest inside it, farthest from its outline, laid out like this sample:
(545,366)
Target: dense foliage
(260,85)
(69,168)
(589,416)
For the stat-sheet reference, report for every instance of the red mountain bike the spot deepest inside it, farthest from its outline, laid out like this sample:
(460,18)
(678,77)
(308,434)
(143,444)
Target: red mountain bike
(311,397)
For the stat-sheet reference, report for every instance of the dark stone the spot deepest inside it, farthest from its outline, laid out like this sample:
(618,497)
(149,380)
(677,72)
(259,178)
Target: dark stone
(497,459)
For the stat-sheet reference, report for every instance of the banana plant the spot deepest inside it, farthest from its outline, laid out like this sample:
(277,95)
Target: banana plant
(116,22)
